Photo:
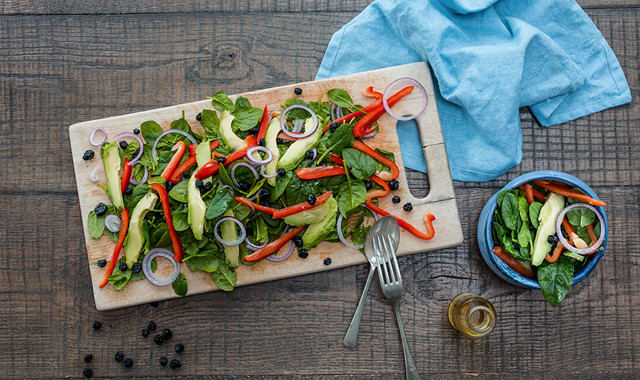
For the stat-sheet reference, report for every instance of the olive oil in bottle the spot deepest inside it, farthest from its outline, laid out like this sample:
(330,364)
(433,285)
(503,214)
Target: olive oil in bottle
(472,316)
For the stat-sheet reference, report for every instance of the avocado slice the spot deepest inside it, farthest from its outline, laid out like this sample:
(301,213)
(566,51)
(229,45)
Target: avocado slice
(547,217)
(227,134)
(203,156)
(196,208)
(111,161)
(292,157)
(270,142)
(311,216)
(316,232)
(135,238)
(229,233)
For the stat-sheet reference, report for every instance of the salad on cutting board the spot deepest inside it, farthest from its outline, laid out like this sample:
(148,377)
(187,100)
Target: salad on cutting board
(246,184)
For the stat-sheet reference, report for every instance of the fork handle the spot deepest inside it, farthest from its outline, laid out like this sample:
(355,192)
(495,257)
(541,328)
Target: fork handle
(351,337)
(409,364)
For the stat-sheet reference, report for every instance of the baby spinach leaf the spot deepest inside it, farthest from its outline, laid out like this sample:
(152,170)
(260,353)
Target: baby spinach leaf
(210,122)
(119,278)
(95,225)
(581,217)
(158,233)
(221,102)
(180,191)
(351,195)
(340,139)
(242,102)
(555,279)
(359,234)
(138,193)
(523,208)
(208,263)
(534,213)
(246,118)
(224,177)
(219,203)
(524,236)
(388,155)
(362,166)
(130,151)
(509,211)
(181,124)
(150,130)
(296,113)
(179,285)
(340,97)
(180,220)
(498,232)
(225,278)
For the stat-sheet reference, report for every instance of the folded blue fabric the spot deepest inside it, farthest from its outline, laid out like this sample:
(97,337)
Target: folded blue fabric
(489,57)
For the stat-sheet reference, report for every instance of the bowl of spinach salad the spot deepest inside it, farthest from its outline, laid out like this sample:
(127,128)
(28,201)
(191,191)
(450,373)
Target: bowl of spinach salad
(517,242)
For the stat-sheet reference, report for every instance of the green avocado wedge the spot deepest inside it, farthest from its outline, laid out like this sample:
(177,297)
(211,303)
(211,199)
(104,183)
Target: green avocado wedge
(316,232)
(135,239)
(111,161)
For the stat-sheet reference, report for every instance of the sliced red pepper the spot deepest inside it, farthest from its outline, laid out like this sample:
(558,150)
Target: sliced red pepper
(286,137)
(177,175)
(175,239)
(301,206)
(264,124)
(372,94)
(592,234)
(320,172)
(116,252)
(513,263)
(364,148)
(378,193)
(180,148)
(538,195)
(555,255)
(370,107)
(569,193)
(428,219)
(248,203)
(336,159)
(126,175)
(362,127)
(274,246)
(211,167)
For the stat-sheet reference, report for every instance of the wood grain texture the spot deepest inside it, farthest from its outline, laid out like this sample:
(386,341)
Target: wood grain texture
(59,70)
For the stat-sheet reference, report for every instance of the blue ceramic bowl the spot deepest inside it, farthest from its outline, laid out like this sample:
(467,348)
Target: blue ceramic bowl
(485,237)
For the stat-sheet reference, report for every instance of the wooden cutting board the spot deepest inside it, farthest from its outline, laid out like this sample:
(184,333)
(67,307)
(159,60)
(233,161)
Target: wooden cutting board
(440,201)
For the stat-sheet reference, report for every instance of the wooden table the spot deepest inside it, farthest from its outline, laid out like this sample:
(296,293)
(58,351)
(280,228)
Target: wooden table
(69,61)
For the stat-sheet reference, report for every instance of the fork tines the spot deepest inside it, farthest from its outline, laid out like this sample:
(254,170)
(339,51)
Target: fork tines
(388,268)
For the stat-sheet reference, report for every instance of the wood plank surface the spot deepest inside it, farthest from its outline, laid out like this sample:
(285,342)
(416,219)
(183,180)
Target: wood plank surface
(56,70)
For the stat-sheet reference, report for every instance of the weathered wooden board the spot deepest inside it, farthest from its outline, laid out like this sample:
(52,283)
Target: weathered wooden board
(440,201)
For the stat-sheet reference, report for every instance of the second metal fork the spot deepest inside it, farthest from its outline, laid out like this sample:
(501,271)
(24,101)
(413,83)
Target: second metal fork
(391,284)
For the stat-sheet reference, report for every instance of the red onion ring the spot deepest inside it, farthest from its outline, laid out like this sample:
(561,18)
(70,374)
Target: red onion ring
(265,175)
(283,122)
(315,155)
(154,155)
(255,247)
(135,182)
(339,113)
(148,273)
(565,243)
(332,111)
(93,134)
(370,135)
(122,135)
(260,162)
(113,223)
(274,257)
(387,90)
(245,164)
(341,237)
(233,193)
(243,231)
(94,175)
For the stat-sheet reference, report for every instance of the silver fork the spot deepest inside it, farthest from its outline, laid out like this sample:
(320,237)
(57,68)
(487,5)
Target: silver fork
(391,284)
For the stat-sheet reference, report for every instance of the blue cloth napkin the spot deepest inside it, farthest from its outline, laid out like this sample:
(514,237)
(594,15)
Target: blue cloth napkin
(489,57)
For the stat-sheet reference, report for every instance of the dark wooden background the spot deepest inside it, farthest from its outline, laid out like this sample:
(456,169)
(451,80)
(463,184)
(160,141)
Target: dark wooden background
(62,62)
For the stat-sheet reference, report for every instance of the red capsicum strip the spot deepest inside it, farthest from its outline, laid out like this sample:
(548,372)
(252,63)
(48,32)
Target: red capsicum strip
(528,190)
(180,148)
(370,107)
(513,263)
(320,172)
(274,246)
(378,193)
(211,167)
(301,206)
(126,176)
(176,176)
(336,159)
(569,193)
(116,252)
(175,239)
(428,219)
(248,203)
(264,124)
(364,148)
(362,126)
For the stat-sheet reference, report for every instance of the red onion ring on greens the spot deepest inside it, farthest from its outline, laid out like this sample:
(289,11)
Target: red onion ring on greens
(93,134)
(135,182)
(594,246)
(122,135)
(245,164)
(387,90)
(233,193)
(113,223)
(283,122)
(260,162)
(255,247)
(154,155)
(94,175)
(243,231)
(277,258)
(265,175)
(341,237)
(148,273)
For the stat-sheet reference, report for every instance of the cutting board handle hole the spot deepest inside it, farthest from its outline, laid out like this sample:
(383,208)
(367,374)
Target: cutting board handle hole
(413,157)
